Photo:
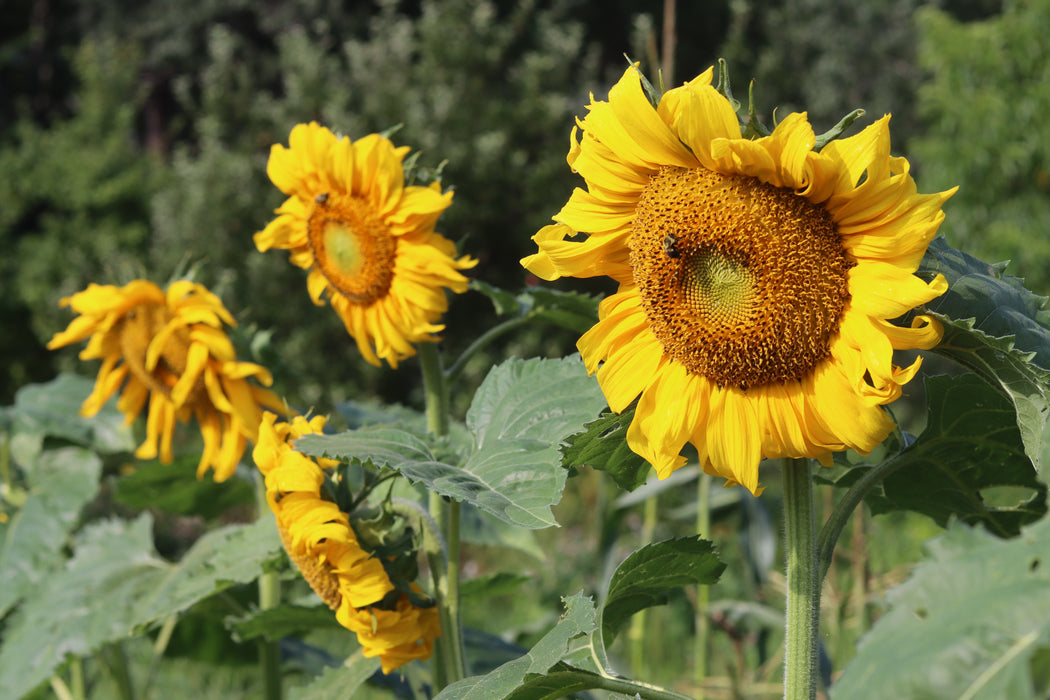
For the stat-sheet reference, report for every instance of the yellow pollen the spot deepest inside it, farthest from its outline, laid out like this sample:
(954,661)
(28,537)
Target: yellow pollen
(352,247)
(137,330)
(742,282)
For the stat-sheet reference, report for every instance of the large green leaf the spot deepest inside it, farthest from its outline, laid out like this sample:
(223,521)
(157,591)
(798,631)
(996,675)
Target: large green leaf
(579,620)
(115,586)
(337,683)
(648,574)
(971,444)
(175,488)
(967,624)
(59,483)
(521,413)
(53,409)
(602,444)
(996,328)
(274,624)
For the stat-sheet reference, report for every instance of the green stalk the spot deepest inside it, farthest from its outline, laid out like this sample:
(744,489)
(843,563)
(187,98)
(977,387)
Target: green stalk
(269,598)
(803,583)
(115,660)
(159,647)
(703,593)
(449,646)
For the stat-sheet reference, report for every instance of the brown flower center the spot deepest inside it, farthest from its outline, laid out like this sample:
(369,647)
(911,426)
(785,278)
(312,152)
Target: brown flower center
(320,576)
(742,282)
(352,247)
(137,330)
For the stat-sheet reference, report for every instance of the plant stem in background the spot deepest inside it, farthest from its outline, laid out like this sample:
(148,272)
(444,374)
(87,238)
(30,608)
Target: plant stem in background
(115,661)
(703,593)
(449,646)
(269,598)
(638,633)
(803,583)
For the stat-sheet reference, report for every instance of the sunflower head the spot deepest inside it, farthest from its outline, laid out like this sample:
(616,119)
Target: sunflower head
(394,624)
(367,239)
(169,349)
(758,277)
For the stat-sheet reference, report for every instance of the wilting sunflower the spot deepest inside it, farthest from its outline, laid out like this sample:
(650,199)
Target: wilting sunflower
(366,238)
(757,278)
(170,349)
(321,542)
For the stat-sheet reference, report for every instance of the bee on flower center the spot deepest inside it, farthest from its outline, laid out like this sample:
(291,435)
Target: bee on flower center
(670,244)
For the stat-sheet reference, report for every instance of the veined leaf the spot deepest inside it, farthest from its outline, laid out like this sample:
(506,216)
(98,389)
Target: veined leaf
(520,414)
(966,624)
(971,443)
(579,621)
(570,310)
(59,483)
(603,445)
(996,328)
(648,574)
(116,585)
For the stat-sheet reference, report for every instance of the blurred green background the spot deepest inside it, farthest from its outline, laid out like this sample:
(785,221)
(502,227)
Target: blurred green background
(134,137)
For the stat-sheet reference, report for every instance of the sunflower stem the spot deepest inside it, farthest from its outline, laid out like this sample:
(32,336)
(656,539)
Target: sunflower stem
(269,598)
(703,593)
(116,662)
(803,583)
(640,622)
(450,664)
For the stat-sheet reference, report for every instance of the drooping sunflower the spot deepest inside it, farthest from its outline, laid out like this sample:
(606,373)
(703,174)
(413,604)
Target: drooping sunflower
(170,350)
(322,544)
(366,238)
(757,278)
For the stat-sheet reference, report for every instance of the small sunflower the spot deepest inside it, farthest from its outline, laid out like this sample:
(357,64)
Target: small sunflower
(757,278)
(366,238)
(322,544)
(170,349)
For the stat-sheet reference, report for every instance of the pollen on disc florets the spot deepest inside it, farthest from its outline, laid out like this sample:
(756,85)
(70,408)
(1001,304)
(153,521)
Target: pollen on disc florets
(319,574)
(742,282)
(353,248)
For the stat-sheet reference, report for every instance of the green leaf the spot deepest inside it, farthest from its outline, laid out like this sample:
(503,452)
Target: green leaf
(965,625)
(538,399)
(603,445)
(499,583)
(578,621)
(519,415)
(115,586)
(53,409)
(971,443)
(504,302)
(283,621)
(175,488)
(59,483)
(996,328)
(338,683)
(645,577)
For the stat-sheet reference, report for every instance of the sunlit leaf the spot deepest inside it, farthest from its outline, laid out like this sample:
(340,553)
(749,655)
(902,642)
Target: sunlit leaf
(648,574)
(115,586)
(579,621)
(965,625)
(996,328)
(59,483)
(53,409)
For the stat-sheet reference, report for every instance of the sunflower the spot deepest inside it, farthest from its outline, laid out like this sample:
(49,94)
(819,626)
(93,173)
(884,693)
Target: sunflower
(366,238)
(170,349)
(322,544)
(757,278)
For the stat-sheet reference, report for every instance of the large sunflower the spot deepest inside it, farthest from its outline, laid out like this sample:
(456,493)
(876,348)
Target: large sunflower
(171,350)
(366,238)
(321,542)
(757,278)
